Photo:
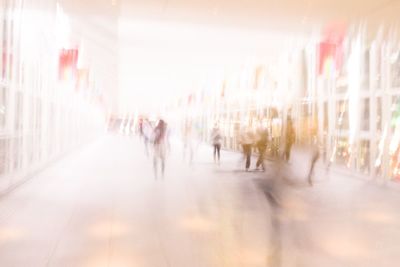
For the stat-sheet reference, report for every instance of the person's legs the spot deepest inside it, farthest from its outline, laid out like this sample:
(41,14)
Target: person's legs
(258,163)
(162,166)
(159,155)
(163,152)
(259,160)
(155,166)
(287,151)
(215,152)
(310,173)
(146,141)
(261,155)
(247,152)
(219,151)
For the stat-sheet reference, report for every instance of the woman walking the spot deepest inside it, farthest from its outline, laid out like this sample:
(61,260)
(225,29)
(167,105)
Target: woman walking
(216,139)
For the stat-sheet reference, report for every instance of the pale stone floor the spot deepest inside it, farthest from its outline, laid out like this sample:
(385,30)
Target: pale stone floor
(101,206)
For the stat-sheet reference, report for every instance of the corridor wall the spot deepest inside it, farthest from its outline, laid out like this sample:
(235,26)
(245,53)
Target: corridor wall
(41,117)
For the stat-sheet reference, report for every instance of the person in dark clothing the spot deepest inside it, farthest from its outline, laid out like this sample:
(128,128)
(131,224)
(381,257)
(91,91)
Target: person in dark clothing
(216,139)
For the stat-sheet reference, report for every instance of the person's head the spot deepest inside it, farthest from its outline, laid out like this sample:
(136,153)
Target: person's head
(161,123)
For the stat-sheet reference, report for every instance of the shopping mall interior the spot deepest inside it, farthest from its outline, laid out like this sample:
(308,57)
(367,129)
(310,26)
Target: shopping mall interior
(174,133)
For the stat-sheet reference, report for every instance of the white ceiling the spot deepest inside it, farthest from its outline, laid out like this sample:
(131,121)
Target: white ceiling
(288,15)
(176,45)
(277,14)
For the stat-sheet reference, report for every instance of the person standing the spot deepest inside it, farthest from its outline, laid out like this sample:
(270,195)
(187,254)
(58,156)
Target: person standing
(247,139)
(216,139)
(160,135)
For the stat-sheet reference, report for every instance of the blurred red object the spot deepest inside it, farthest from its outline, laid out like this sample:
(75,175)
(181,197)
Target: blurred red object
(331,47)
(68,61)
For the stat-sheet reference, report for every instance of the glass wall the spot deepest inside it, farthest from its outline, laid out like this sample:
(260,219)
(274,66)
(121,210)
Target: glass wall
(360,104)
(41,117)
(353,109)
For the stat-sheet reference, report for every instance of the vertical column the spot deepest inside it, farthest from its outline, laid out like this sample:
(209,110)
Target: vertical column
(331,102)
(354,100)
(386,111)
(373,149)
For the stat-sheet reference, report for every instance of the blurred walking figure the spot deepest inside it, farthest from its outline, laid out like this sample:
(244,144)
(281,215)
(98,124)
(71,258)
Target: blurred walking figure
(147,134)
(247,140)
(261,144)
(290,138)
(288,210)
(314,159)
(216,139)
(140,127)
(160,145)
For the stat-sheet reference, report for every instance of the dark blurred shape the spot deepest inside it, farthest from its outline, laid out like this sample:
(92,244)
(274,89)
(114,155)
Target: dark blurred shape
(216,138)
(261,144)
(290,138)
(278,185)
(160,147)
(247,141)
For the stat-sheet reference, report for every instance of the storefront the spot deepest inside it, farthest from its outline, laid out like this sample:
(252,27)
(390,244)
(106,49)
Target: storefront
(342,91)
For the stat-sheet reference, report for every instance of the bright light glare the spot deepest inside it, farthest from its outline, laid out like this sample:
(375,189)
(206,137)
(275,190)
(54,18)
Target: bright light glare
(160,60)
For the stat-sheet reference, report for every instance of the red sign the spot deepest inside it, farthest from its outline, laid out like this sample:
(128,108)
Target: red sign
(68,61)
(331,48)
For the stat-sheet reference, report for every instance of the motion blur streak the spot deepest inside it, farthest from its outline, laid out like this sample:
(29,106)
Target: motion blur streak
(197,133)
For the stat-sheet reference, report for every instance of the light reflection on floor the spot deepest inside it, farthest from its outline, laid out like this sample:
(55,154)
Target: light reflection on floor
(200,216)
(11,234)
(198,224)
(109,229)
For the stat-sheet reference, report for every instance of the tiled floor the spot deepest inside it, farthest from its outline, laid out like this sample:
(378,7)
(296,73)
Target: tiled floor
(101,206)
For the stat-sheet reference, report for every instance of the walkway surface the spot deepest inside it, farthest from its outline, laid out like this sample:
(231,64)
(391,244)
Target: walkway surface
(102,206)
